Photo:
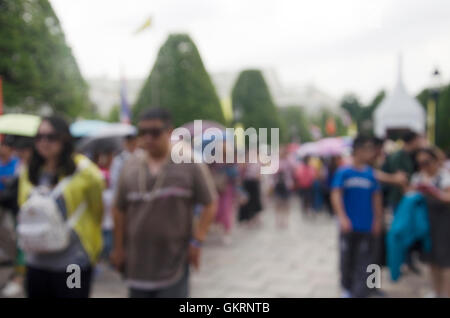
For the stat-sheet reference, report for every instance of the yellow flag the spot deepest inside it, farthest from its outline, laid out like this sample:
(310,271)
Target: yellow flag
(144,26)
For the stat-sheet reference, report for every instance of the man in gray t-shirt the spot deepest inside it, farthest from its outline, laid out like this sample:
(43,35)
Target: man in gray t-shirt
(155,238)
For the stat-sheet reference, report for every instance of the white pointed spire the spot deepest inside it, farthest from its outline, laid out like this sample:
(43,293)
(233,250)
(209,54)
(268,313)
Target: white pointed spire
(399,110)
(400,83)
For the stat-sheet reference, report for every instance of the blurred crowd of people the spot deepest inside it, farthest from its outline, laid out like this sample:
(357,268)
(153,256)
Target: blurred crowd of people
(369,193)
(148,217)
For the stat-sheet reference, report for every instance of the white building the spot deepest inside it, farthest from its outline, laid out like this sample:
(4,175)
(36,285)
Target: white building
(399,111)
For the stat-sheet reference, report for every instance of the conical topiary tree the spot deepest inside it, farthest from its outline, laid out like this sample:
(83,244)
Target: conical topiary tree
(36,64)
(253,105)
(180,83)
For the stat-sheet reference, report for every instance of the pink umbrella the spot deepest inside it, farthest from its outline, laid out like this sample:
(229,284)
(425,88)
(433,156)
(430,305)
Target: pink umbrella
(331,146)
(308,149)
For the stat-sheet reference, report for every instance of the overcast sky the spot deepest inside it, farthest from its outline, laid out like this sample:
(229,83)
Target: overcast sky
(339,46)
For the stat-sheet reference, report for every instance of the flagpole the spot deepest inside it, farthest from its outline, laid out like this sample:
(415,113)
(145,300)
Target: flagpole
(154,86)
(125,112)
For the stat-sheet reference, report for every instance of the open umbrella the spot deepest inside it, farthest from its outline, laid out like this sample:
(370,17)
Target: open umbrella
(308,149)
(85,128)
(196,131)
(106,139)
(331,146)
(19,124)
(91,146)
(115,130)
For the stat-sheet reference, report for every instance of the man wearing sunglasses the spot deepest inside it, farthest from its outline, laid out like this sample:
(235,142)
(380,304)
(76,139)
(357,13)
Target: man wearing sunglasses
(155,236)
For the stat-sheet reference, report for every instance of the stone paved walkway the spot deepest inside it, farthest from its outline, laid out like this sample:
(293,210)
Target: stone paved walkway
(300,261)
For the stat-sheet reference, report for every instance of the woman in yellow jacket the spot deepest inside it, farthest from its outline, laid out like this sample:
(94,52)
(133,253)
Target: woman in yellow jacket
(48,274)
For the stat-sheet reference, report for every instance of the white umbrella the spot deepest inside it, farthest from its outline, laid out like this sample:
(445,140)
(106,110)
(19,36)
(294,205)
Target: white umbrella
(115,130)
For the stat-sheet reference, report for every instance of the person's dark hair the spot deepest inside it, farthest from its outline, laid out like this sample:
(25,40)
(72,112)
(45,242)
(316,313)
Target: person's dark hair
(8,140)
(66,164)
(409,136)
(378,142)
(157,113)
(306,159)
(361,140)
(428,151)
(130,137)
(22,143)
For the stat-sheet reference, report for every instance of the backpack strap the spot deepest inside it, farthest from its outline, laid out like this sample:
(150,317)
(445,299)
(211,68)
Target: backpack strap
(61,186)
(76,214)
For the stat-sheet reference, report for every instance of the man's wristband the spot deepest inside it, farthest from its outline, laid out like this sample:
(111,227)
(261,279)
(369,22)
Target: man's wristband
(196,243)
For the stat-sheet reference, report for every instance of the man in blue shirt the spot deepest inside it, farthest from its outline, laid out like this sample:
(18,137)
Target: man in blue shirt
(357,203)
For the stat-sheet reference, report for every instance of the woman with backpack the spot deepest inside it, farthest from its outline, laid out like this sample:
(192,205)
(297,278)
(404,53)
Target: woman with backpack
(60,217)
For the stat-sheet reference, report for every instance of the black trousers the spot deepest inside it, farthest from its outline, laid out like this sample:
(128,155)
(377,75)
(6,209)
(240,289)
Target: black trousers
(306,198)
(356,254)
(48,284)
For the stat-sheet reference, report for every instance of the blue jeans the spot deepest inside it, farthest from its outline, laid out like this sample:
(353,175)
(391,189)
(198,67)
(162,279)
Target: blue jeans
(108,242)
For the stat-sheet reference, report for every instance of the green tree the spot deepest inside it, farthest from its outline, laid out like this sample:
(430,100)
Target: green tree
(323,116)
(296,122)
(114,114)
(442,116)
(423,97)
(366,121)
(443,119)
(253,105)
(362,114)
(180,83)
(353,106)
(36,64)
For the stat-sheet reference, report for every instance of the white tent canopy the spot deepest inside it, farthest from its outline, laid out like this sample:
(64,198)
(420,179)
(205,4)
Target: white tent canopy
(399,111)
